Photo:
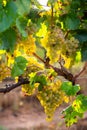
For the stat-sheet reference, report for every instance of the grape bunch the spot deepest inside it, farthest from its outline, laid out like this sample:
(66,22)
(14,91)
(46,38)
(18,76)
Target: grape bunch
(72,46)
(51,97)
(57,44)
(4,71)
(27,89)
(53,42)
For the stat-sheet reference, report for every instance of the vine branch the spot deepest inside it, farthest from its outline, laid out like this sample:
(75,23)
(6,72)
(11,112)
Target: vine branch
(84,68)
(60,71)
(10,87)
(63,71)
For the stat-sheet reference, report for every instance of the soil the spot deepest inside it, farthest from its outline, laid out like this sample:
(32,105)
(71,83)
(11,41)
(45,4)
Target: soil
(31,118)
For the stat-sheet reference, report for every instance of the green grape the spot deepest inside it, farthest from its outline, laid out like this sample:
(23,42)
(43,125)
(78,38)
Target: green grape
(28,90)
(53,42)
(56,44)
(71,46)
(4,71)
(50,98)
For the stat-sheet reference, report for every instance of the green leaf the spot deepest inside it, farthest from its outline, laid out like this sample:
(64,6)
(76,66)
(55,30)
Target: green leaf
(16,71)
(69,89)
(21,23)
(19,66)
(71,116)
(23,6)
(41,79)
(81,35)
(8,15)
(71,22)
(21,61)
(80,104)
(8,39)
(40,87)
(77,109)
(75,4)
(84,52)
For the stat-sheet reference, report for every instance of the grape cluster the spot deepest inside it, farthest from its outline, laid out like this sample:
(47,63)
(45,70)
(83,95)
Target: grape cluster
(56,44)
(50,98)
(4,71)
(72,45)
(27,89)
(53,42)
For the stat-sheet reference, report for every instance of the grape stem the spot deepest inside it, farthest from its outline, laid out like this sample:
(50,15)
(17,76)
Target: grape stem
(60,71)
(84,68)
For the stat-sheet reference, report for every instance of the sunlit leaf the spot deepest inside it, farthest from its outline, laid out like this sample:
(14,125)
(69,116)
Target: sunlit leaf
(41,79)
(70,89)
(19,66)
(71,116)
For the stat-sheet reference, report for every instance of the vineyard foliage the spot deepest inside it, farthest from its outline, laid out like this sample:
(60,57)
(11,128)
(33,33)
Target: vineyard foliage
(40,45)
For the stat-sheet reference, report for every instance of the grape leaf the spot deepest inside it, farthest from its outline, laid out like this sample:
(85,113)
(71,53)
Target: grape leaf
(70,89)
(21,24)
(8,15)
(81,35)
(71,116)
(8,39)
(41,79)
(23,6)
(19,66)
(75,5)
(77,109)
(80,104)
(84,52)
(71,22)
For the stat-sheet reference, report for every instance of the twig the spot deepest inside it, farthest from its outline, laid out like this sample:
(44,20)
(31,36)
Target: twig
(10,87)
(84,68)
(63,71)
(60,71)
(66,34)
(38,57)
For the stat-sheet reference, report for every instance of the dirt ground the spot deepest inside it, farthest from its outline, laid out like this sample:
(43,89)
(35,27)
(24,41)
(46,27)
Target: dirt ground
(30,117)
(25,113)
